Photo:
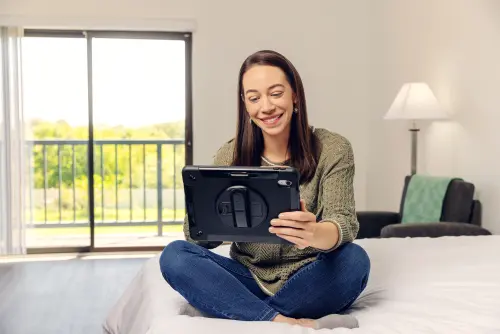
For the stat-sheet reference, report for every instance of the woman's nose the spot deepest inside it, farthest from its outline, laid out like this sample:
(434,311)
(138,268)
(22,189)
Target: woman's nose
(266,106)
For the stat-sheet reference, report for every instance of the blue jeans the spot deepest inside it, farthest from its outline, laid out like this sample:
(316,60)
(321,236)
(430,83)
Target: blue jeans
(223,288)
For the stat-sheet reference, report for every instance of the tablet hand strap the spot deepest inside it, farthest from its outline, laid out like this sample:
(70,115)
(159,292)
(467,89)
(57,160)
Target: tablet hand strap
(239,201)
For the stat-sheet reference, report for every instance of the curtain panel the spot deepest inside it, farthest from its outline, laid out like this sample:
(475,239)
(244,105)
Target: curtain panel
(13,170)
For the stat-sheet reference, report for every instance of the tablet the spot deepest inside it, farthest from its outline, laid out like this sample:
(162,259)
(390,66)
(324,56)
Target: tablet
(236,204)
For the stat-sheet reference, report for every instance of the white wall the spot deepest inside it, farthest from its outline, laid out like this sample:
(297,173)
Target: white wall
(327,42)
(353,56)
(454,45)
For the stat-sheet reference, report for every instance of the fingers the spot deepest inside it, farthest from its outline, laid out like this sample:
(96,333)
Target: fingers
(288,223)
(295,226)
(298,233)
(298,216)
(291,232)
(303,206)
(303,215)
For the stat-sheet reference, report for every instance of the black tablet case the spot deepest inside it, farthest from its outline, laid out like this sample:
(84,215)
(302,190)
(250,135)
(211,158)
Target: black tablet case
(236,204)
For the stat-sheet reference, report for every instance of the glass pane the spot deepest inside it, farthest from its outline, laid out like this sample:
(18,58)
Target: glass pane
(139,120)
(56,113)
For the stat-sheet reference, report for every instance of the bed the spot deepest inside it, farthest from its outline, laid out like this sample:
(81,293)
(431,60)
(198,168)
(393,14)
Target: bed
(417,285)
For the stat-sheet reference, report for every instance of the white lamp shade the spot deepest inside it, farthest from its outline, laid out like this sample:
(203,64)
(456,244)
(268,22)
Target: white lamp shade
(416,101)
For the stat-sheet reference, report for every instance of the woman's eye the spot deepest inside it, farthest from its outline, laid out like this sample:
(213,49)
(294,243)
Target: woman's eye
(277,94)
(253,99)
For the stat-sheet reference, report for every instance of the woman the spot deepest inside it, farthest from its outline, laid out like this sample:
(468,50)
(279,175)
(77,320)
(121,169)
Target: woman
(319,275)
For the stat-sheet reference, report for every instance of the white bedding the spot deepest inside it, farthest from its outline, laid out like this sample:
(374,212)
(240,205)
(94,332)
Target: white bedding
(419,285)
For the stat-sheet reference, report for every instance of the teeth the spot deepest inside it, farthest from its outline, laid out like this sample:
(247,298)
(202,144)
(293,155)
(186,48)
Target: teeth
(270,120)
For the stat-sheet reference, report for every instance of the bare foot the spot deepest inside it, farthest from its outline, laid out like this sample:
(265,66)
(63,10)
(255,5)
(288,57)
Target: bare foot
(309,323)
(283,319)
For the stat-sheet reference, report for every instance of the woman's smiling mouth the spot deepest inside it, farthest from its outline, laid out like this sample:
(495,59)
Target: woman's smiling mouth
(271,120)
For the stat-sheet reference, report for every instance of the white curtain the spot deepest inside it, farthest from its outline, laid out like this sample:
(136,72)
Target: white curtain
(12,146)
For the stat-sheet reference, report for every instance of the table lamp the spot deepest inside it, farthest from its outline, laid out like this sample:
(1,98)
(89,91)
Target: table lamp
(415,101)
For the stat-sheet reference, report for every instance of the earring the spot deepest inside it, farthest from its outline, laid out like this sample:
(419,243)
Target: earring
(295,110)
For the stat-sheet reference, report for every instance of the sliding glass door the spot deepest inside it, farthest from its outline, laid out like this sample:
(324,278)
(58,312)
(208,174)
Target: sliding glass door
(121,101)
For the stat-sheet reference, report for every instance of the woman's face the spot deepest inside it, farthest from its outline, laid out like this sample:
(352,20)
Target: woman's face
(269,99)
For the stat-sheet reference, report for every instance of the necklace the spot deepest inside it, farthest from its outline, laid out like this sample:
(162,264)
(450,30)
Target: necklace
(270,162)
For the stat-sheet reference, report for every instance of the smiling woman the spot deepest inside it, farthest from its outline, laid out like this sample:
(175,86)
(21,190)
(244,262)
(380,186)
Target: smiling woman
(271,106)
(320,272)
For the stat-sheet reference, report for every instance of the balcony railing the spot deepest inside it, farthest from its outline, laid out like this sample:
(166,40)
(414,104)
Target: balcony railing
(136,182)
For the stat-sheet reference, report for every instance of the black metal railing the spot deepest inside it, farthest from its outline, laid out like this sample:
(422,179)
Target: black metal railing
(136,182)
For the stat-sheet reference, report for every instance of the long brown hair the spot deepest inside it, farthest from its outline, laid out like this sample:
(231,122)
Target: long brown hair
(249,141)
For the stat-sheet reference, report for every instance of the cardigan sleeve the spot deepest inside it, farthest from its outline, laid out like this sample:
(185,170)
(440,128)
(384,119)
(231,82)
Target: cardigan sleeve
(337,191)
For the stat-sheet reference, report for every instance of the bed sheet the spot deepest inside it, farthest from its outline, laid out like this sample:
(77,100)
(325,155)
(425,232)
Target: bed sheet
(416,285)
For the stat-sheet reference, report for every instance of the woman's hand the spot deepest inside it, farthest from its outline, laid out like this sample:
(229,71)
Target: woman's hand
(301,229)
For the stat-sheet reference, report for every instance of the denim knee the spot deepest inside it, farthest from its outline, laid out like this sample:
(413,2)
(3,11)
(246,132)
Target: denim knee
(353,257)
(173,258)
(358,255)
(358,261)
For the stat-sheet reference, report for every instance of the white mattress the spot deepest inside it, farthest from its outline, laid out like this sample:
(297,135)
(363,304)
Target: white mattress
(419,285)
